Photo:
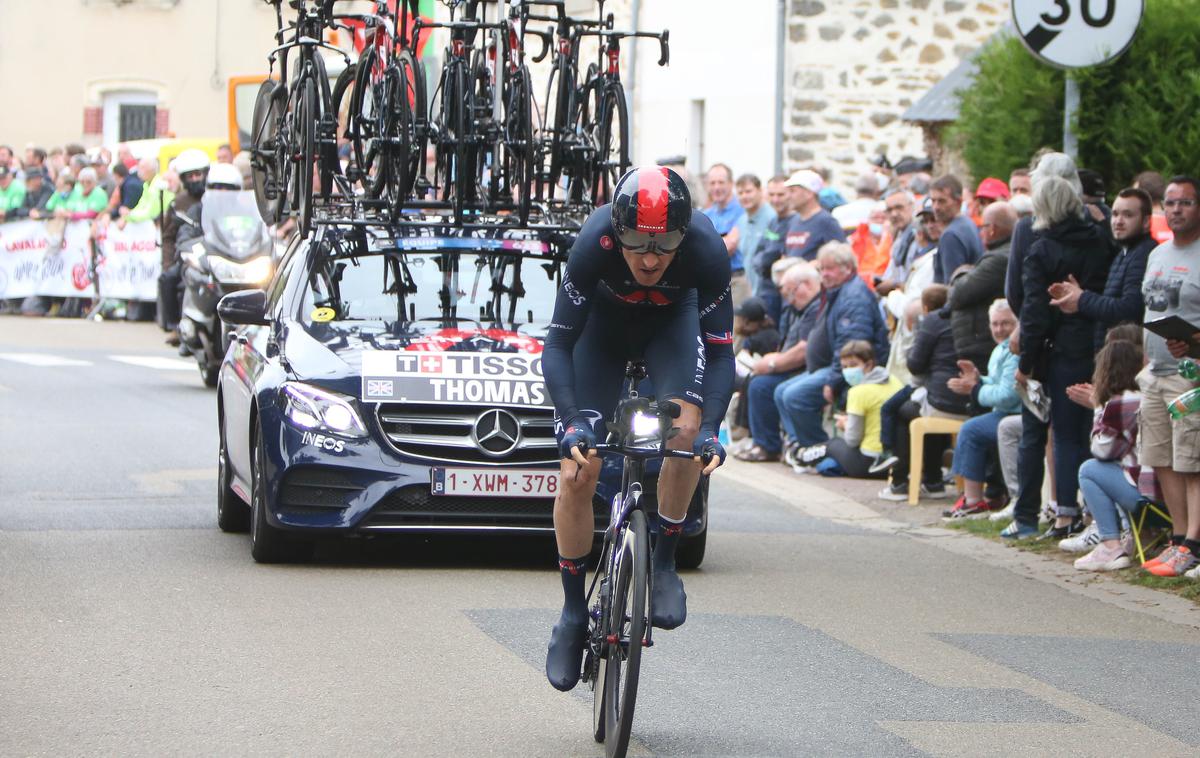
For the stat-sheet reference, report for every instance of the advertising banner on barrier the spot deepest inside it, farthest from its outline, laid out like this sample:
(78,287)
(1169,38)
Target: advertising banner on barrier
(130,261)
(53,258)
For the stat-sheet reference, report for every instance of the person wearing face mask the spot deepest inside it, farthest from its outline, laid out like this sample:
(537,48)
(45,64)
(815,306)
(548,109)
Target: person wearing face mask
(858,446)
(872,245)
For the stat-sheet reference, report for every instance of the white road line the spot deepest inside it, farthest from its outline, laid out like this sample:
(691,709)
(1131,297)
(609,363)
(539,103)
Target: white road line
(156,362)
(42,359)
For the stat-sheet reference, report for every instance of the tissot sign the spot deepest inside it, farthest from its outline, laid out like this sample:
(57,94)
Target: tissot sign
(1077,33)
(454,377)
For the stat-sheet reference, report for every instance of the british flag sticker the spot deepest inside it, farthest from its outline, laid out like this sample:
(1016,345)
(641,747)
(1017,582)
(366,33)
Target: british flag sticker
(724,338)
(379,388)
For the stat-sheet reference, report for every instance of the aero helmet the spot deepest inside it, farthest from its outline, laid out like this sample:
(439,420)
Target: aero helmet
(651,210)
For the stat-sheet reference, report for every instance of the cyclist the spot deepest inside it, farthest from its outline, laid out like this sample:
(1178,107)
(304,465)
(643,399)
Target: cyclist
(644,280)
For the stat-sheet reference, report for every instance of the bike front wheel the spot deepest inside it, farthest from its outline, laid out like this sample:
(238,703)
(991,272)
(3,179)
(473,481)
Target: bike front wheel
(627,616)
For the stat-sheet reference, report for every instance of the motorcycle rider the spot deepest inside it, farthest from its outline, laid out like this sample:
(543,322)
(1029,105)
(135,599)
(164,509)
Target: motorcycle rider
(192,166)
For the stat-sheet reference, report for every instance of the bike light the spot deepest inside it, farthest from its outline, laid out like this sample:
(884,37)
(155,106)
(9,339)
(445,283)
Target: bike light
(644,425)
(313,408)
(255,271)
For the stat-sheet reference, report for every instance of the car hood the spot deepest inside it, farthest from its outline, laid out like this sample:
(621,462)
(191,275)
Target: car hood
(330,354)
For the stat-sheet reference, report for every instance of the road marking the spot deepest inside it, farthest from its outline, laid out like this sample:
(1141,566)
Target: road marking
(42,359)
(156,362)
(170,481)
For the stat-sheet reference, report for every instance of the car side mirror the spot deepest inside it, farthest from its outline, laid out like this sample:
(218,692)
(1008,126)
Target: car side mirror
(245,308)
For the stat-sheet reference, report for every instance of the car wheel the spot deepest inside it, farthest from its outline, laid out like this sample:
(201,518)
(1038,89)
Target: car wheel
(233,515)
(209,374)
(267,543)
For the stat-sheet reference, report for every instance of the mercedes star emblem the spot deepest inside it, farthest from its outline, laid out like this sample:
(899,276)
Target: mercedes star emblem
(496,432)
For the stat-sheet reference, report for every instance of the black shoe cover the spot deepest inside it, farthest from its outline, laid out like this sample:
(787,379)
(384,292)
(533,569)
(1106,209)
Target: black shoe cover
(668,605)
(564,659)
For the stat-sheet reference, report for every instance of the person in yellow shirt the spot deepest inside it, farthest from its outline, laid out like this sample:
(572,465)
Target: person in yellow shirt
(857,446)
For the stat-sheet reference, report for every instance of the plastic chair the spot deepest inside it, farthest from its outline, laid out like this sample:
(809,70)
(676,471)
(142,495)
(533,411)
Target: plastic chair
(1146,510)
(917,429)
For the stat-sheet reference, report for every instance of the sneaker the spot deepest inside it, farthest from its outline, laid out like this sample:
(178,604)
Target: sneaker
(789,454)
(934,491)
(897,493)
(1104,558)
(1178,564)
(1018,531)
(1163,556)
(756,454)
(1005,513)
(810,456)
(1059,532)
(1082,542)
(1127,543)
(800,468)
(885,461)
(1049,512)
(963,510)
(668,602)
(564,656)
(1193,574)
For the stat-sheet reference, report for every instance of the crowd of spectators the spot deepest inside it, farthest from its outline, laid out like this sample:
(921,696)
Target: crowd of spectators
(1047,329)
(72,183)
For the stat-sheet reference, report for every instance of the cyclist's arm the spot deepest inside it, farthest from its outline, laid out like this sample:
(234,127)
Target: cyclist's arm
(585,264)
(716,323)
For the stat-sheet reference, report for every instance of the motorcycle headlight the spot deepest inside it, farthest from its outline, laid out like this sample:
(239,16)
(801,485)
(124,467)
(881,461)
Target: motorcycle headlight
(309,407)
(255,271)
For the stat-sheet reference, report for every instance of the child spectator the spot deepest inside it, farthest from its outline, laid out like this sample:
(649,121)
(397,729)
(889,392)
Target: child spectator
(853,453)
(977,440)
(1111,479)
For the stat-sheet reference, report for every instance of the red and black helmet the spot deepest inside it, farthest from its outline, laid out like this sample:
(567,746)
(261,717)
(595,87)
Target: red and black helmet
(651,210)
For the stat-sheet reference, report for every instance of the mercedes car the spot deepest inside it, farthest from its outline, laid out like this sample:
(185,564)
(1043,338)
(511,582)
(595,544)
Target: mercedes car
(389,380)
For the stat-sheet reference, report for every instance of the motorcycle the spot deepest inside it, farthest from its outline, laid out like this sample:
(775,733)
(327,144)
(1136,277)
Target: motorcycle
(230,250)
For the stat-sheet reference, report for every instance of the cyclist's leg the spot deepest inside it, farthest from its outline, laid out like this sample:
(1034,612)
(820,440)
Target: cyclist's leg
(599,368)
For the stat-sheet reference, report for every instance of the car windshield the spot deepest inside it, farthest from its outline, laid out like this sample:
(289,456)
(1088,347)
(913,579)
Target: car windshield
(393,286)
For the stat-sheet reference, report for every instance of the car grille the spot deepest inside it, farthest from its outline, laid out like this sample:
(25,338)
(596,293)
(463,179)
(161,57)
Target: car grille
(443,433)
(317,489)
(415,505)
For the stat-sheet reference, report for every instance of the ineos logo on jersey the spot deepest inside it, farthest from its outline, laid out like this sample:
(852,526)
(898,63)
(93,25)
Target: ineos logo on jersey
(323,442)
(699,361)
(572,292)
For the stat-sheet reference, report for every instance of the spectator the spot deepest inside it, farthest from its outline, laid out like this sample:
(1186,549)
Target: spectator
(1155,186)
(801,289)
(978,438)
(909,167)
(12,191)
(104,179)
(857,448)
(154,198)
(35,158)
(37,194)
(1121,300)
(125,156)
(904,303)
(724,213)
(898,206)
(755,218)
(933,363)
(771,246)
(1057,350)
(960,239)
(1172,446)
(990,190)
(64,190)
(1008,443)
(1019,182)
(86,201)
(129,190)
(1092,190)
(858,210)
(757,336)
(812,227)
(849,312)
(224,154)
(56,161)
(1111,479)
(8,159)
(872,245)
(972,290)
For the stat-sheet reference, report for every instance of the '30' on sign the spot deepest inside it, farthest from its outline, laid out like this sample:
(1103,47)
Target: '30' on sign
(1077,33)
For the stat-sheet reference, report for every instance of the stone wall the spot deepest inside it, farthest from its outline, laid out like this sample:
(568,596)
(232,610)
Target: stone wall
(855,65)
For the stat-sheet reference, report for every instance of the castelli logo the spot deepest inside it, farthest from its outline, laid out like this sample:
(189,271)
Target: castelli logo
(606,242)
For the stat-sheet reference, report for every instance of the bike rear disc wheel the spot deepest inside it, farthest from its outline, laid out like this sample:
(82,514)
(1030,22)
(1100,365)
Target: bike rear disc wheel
(627,621)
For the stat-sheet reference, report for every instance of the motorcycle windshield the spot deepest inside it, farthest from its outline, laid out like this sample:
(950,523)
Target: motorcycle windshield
(232,226)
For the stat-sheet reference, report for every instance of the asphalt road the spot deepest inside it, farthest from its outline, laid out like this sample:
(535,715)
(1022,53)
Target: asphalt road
(132,626)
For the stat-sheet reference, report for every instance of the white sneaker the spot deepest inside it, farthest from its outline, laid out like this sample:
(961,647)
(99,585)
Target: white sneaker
(1082,542)
(1193,573)
(1049,512)
(1005,513)
(1104,559)
(895,495)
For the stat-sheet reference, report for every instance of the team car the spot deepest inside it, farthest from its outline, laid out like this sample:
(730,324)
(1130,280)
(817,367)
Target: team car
(389,380)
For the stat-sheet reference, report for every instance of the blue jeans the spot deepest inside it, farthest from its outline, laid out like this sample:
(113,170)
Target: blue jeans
(800,400)
(1104,488)
(976,445)
(764,416)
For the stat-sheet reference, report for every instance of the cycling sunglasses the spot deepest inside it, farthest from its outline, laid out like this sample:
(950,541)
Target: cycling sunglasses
(660,244)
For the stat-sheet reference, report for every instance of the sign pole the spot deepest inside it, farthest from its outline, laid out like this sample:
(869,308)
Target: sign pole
(1070,111)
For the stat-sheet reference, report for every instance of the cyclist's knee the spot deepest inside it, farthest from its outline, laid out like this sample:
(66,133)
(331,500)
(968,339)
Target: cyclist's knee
(688,425)
(579,480)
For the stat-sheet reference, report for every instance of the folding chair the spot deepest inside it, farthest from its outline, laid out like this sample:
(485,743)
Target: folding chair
(1148,514)
(917,429)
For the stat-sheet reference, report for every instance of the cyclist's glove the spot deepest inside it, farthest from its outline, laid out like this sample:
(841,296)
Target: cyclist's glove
(707,446)
(578,434)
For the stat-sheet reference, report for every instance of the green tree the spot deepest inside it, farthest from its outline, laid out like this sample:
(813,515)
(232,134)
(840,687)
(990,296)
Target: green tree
(1138,113)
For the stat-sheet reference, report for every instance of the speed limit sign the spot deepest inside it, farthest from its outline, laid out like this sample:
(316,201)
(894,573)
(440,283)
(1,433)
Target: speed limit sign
(1077,33)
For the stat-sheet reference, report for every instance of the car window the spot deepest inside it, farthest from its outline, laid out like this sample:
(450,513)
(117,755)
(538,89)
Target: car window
(278,285)
(395,287)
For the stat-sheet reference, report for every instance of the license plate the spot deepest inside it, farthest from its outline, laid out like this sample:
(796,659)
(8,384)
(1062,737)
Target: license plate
(494,482)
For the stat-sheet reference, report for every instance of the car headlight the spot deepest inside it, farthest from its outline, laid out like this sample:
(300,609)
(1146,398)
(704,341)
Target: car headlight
(311,408)
(254,271)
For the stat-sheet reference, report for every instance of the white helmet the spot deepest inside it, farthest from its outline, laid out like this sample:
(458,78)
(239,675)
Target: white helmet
(224,176)
(192,159)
